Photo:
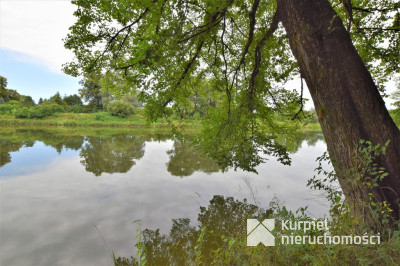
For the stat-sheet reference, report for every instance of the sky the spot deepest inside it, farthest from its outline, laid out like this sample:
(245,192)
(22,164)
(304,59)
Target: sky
(31,46)
(32,51)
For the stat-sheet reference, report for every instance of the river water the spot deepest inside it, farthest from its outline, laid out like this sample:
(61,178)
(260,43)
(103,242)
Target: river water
(70,197)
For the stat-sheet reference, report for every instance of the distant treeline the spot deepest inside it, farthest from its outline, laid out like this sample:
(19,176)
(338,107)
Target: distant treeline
(90,99)
(93,98)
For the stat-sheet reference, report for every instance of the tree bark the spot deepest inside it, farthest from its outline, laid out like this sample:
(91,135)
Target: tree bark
(346,99)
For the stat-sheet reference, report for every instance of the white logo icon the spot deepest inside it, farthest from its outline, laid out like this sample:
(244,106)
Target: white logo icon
(260,232)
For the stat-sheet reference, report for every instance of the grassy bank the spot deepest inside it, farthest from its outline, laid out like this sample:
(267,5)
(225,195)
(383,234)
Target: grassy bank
(100,119)
(104,119)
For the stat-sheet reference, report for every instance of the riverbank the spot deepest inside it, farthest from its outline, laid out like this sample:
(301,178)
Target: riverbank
(105,120)
(99,119)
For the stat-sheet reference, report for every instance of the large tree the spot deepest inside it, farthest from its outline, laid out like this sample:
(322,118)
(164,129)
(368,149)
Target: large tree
(91,91)
(251,48)
(7,94)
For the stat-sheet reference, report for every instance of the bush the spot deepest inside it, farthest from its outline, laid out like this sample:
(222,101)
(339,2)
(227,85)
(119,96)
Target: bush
(139,111)
(38,112)
(121,109)
(21,112)
(75,109)
(7,108)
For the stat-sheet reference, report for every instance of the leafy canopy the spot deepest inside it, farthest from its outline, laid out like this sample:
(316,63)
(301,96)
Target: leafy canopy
(165,49)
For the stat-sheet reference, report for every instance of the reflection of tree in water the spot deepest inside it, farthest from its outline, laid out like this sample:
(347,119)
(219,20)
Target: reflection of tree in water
(294,140)
(223,217)
(52,139)
(7,146)
(104,154)
(58,141)
(184,160)
(114,154)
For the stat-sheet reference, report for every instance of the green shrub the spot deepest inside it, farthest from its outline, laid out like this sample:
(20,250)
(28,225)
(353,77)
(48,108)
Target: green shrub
(139,111)
(38,112)
(76,109)
(7,108)
(21,112)
(121,109)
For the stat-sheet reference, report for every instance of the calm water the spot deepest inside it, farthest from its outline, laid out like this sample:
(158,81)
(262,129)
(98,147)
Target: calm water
(67,197)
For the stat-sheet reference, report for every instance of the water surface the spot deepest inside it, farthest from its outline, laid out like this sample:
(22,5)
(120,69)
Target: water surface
(68,197)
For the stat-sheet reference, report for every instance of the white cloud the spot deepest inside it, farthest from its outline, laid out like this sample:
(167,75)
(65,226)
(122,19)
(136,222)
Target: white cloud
(36,28)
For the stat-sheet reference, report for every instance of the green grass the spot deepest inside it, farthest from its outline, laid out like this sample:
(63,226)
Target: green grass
(100,119)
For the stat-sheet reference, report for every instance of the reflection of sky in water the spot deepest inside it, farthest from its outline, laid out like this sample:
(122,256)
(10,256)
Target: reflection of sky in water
(31,159)
(50,210)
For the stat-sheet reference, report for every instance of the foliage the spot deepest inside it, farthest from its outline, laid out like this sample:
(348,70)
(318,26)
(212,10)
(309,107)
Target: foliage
(310,116)
(75,108)
(197,104)
(168,50)
(57,99)
(7,94)
(242,141)
(3,83)
(215,56)
(91,92)
(365,174)
(121,108)
(7,108)
(73,100)
(26,101)
(374,29)
(39,111)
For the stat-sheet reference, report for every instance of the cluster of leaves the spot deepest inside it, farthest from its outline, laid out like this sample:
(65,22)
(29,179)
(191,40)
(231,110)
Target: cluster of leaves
(242,142)
(367,175)
(374,27)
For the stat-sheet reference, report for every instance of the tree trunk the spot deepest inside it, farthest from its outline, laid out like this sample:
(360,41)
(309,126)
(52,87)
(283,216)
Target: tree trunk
(347,101)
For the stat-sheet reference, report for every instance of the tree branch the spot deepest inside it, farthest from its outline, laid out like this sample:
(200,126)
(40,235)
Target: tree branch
(258,57)
(109,43)
(252,17)
(187,68)
(301,99)
(215,20)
